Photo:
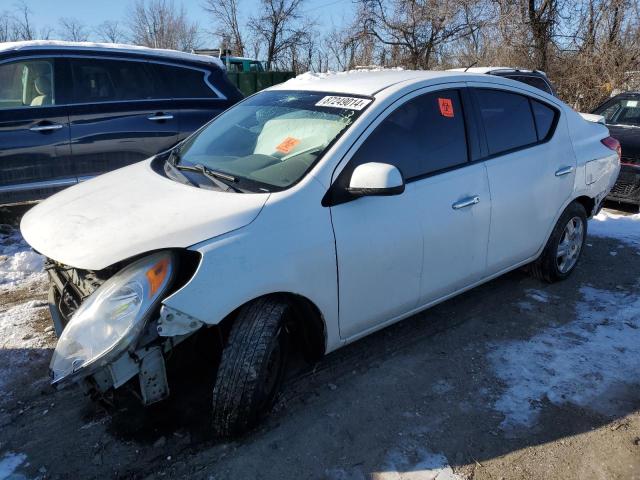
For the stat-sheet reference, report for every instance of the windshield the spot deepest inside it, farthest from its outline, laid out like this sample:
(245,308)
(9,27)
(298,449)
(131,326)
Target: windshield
(623,111)
(272,139)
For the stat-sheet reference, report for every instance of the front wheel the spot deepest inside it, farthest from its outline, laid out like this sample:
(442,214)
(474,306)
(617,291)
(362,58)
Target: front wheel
(252,366)
(560,256)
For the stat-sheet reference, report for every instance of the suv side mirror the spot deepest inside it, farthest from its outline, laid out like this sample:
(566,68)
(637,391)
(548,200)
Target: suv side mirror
(376,179)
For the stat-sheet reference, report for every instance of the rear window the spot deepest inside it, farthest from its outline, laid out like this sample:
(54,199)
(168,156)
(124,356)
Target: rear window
(536,82)
(103,80)
(183,82)
(507,119)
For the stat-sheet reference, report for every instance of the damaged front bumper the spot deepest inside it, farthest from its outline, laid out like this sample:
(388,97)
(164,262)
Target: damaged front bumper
(141,355)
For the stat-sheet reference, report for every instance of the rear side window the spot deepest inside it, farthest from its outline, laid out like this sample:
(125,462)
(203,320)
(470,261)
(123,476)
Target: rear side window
(544,117)
(536,82)
(26,83)
(183,82)
(98,80)
(422,136)
(507,119)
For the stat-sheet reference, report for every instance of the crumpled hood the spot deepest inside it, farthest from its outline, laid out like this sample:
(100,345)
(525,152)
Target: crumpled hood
(131,211)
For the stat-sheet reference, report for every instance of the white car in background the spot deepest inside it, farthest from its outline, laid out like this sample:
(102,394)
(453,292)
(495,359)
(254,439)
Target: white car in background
(310,215)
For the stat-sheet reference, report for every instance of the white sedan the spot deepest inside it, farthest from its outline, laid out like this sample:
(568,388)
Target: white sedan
(310,215)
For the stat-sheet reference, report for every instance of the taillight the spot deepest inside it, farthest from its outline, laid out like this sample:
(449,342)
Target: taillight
(613,144)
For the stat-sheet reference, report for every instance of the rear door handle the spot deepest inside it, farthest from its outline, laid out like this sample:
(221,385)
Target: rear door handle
(46,128)
(466,202)
(159,117)
(564,171)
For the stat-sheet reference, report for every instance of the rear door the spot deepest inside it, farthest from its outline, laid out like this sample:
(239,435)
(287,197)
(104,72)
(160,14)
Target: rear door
(195,92)
(531,167)
(120,114)
(35,156)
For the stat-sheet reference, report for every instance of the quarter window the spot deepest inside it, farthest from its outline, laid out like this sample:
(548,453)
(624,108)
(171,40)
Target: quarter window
(544,117)
(97,80)
(184,82)
(422,136)
(27,83)
(507,119)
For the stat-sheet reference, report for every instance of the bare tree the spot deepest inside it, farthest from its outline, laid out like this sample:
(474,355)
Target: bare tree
(225,16)
(22,27)
(73,30)
(160,24)
(279,26)
(110,31)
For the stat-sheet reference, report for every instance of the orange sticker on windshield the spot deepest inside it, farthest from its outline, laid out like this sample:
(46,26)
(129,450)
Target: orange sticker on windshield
(446,107)
(287,145)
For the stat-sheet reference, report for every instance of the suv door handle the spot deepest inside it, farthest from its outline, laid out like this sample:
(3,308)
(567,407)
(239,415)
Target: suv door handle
(564,171)
(159,117)
(46,128)
(466,202)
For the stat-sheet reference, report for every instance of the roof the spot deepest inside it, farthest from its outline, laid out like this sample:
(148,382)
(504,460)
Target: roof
(108,47)
(495,69)
(359,82)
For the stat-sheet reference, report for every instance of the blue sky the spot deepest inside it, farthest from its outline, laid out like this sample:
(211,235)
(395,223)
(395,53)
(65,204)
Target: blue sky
(93,12)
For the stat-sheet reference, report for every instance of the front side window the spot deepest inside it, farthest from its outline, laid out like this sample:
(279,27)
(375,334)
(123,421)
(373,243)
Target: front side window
(272,139)
(622,111)
(507,119)
(422,136)
(26,83)
(103,80)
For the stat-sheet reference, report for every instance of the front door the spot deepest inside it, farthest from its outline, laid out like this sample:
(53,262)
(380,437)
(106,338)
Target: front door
(119,116)
(34,131)
(398,253)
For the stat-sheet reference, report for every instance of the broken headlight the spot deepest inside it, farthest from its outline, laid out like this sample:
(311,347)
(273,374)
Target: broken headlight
(112,317)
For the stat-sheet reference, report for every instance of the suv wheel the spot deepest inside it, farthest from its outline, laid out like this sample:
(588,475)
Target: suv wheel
(560,256)
(252,366)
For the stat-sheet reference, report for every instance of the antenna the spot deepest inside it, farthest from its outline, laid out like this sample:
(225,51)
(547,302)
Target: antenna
(472,65)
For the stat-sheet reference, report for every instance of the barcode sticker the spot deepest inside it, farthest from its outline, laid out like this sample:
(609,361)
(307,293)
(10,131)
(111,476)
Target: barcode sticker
(350,103)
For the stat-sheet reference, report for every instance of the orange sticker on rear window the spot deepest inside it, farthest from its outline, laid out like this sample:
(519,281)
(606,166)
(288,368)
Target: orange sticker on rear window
(446,107)
(287,145)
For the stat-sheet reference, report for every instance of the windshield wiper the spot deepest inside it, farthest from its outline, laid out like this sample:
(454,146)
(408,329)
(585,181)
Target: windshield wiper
(220,179)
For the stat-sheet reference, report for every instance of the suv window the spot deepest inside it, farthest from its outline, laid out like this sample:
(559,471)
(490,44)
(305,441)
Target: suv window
(422,136)
(507,119)
(27,83)
(536,82)
(103,80)
(183,82)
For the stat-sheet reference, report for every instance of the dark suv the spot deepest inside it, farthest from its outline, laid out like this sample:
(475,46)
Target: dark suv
(622,115)
(70,111)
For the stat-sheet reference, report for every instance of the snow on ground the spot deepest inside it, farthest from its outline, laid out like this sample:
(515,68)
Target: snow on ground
(623,227)
(9,462)
(577,363)
(19,264)
(415,464)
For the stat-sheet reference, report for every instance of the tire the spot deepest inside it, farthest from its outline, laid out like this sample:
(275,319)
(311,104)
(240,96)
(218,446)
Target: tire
(251,367)
(552,266)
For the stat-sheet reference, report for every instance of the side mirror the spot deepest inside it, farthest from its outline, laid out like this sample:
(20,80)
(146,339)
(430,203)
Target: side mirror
(376,179)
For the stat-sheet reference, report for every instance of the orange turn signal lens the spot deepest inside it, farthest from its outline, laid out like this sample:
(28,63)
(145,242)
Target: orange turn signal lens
(156,275)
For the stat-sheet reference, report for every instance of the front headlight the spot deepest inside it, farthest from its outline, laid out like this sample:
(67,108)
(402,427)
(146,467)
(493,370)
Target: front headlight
(112,317)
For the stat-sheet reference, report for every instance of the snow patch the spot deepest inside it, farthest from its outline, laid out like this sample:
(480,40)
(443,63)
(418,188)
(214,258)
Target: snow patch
(19,264)
(622,227)
(415,464)
(310,76)
(9,463)
(538,295)
(582,362)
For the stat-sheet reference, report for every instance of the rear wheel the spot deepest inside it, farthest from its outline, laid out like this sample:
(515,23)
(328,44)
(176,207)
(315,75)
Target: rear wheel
(252,366)
(562,252)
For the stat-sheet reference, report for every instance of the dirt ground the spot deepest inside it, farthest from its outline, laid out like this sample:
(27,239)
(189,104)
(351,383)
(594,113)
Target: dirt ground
(515,379)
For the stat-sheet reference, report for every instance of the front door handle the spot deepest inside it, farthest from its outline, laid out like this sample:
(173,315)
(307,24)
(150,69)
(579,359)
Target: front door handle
(466,202)
(564,171)
(46,128)
(159,117)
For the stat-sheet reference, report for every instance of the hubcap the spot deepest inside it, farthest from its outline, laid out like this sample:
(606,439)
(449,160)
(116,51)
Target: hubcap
(570,245)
